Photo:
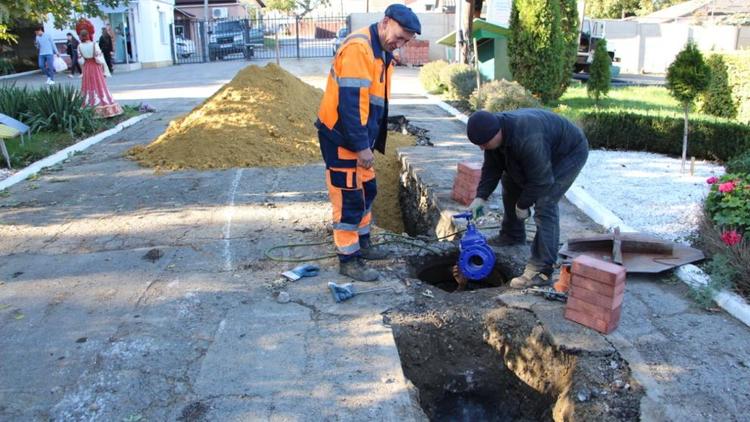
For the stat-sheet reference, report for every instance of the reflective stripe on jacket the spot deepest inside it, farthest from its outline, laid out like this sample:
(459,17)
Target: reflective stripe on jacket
(354,110)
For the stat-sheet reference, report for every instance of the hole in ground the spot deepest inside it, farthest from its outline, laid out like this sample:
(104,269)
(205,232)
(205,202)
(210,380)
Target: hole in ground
(459,376)
(438,271)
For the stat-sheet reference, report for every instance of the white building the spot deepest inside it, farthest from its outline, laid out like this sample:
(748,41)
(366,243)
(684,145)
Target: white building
(142,33)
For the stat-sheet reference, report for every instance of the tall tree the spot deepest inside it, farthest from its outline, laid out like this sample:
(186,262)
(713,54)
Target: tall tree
(600,72)
(687,77)
(570,30)
(65,12)
(535,47)
(299,7)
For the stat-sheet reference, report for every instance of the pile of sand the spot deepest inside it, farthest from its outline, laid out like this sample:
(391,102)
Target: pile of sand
(262,118)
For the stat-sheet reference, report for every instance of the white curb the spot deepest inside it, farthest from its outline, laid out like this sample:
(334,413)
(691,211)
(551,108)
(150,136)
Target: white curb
(19,75)
(67,152)
(689,274)
(596,211)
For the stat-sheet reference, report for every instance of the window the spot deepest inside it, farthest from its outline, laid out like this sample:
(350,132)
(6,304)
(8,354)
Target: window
(163,27)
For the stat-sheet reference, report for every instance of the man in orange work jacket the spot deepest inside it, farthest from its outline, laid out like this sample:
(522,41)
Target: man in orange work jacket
(352,122)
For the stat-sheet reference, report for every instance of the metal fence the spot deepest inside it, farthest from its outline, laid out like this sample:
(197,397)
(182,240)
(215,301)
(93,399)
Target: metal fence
(264,38)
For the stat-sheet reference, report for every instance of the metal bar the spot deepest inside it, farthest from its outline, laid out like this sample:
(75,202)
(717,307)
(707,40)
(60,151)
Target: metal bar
(297,34)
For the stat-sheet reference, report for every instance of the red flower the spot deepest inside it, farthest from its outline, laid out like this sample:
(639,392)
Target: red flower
(726,187)
(711,180)
(731,237)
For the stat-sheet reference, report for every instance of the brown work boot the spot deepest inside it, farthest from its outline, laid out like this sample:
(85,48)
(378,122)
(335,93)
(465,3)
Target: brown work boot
(373,253)
(358,270)
(531,278)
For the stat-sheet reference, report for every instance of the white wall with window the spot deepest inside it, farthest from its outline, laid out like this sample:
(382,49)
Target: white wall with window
(153,24)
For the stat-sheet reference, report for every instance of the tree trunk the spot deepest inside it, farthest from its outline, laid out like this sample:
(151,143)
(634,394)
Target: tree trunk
(685,139)
(468,29)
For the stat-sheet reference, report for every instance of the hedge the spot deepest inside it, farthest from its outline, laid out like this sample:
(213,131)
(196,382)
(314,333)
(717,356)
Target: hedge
(707,139)
(738,70)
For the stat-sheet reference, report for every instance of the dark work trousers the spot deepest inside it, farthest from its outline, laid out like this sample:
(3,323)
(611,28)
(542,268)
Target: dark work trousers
(546,211)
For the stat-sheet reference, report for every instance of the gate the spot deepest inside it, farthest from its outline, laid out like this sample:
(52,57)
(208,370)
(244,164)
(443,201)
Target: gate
(262,38)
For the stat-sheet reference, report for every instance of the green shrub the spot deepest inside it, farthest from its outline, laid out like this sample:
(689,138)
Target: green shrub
(717,100)
(569,26)
(600,74)
(59,109)
(15,101)
(738,72)
(429,76)
(739,164)
(460,80)
(502,95)
(536,47)
(6,67)
(640,132)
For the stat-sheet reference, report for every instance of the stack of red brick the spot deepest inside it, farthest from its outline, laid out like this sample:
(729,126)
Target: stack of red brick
(466,182)
(596,292)
(415,52)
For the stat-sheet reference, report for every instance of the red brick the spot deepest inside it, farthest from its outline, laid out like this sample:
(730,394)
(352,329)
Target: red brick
(596,286)
(596,269)
(470,166)
(595,298)
(590,322)
(604,314)
(563,283)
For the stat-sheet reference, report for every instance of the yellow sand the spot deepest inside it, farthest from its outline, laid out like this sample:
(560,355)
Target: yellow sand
(387,210)
(262,118)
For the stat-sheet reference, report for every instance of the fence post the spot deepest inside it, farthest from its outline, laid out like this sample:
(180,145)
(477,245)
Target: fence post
(296,18)
(204,39)
(172,44)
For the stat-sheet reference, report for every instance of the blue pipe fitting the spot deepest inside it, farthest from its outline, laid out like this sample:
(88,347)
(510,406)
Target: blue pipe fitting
(476,259)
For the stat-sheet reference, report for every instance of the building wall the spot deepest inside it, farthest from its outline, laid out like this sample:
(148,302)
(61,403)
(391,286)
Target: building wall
(434,27)
(651,47)
(234,11)
(152,32)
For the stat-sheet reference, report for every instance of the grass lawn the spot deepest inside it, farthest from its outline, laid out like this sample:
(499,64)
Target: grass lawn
(652,100)
(43,144)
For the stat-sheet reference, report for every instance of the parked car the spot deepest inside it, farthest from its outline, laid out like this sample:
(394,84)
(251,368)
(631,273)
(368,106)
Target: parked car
(185,47)
(232,37)
(340,37)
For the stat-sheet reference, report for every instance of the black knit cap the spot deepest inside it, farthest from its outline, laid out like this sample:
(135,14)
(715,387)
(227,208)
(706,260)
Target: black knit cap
(482,127)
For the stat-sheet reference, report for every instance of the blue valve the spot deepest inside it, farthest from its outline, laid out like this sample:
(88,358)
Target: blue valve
(475,260)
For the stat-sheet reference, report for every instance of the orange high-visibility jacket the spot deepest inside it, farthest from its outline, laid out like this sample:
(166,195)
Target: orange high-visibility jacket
(354,110)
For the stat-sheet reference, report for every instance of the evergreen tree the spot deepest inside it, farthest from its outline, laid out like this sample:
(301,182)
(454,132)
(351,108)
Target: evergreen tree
(535,47)
(600,72)
(687,78)
(717,100)
(569,26)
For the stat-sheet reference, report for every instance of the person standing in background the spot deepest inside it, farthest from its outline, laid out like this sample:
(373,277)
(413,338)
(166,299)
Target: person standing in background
(72,47)
(94,86)
(106,44)
(47,53)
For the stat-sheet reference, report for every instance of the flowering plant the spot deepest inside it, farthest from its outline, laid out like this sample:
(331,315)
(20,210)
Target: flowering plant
(728,206)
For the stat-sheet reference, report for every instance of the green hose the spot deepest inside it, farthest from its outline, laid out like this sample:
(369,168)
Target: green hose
(390,237)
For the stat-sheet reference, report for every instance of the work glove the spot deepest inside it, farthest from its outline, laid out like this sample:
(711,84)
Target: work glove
(305,270)
(523,213)
(477,208)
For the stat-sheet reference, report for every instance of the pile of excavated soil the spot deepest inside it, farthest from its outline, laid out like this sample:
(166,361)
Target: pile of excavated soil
(387,210)
(262,118)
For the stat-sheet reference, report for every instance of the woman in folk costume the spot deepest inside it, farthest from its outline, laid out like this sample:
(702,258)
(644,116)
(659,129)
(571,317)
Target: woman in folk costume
(93,86)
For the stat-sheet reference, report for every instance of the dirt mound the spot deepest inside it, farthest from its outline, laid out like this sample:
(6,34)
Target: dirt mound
(262,118)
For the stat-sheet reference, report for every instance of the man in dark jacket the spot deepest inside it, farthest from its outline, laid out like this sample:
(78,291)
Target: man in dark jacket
(537,155)
(106,44)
